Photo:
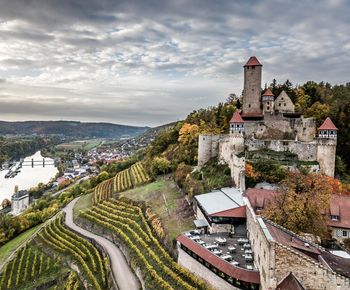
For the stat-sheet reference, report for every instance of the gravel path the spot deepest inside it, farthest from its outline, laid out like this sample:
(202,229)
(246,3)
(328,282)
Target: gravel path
(122,273)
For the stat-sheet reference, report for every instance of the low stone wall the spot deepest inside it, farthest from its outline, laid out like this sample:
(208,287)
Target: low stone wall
(200,270)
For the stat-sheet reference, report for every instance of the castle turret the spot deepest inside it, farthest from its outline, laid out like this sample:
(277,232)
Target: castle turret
(268,101)
(252,87)
(326,147)
(236,123)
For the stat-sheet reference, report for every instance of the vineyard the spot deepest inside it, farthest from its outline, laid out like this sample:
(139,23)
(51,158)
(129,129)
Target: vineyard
(131,225)
(124,180)
(31,266)
(64,241)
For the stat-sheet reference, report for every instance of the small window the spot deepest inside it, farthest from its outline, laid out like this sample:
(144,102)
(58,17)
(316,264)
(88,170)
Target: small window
(249,106)
(253,67)
(268,108)
(268,103)
(285,104)
(334,217)
(282,98)
(279,104)
(345,233)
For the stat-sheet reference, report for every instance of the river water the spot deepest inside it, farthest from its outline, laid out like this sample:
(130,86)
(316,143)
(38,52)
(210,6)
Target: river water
(28,177)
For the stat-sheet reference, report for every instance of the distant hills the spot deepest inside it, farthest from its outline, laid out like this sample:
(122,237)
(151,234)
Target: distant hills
(70,129)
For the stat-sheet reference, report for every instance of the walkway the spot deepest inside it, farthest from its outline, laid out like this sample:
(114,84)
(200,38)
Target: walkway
(122,273)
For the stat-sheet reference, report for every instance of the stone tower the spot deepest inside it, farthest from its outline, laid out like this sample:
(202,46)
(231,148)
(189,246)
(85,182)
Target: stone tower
(207,148)
(252,87)
(326,147)
(268,101)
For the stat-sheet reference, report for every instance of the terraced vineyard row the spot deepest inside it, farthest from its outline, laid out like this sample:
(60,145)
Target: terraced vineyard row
(124,180)
(103,191)
(129,223)
(28,265)
(81,250)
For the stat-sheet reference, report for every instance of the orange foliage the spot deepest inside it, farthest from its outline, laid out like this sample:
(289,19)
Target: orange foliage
(336,185)
(250,172)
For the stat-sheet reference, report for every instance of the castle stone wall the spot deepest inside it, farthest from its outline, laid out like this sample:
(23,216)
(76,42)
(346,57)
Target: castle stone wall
(311,274)
(264,252)
(305,128)
(306,151)
(228,148)
(326,155)
(207,148)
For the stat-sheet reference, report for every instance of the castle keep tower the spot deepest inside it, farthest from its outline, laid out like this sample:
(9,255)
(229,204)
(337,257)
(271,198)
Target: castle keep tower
(252,86)
(326,147)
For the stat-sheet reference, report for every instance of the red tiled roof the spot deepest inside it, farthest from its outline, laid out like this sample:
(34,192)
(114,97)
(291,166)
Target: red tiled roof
(253,61)
(328,125)
(268,93)
(236,118)
(260,197)
(340,205)
(239,212)
(290,283)
(220,264)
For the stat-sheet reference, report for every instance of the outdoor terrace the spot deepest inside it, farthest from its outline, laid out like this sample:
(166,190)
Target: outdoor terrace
(234,248)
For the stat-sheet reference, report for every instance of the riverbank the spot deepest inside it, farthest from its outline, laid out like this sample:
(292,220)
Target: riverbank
(28,176)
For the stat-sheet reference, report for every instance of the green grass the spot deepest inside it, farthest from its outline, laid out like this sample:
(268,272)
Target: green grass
(80,144)
(7,249)
(83,204)
(174,221)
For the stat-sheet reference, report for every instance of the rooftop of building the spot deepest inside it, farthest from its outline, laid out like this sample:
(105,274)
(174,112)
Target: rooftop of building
(290,282)
(328,125)
(253,61)
(268,93)
(223,201)
(20,194)
(236,118)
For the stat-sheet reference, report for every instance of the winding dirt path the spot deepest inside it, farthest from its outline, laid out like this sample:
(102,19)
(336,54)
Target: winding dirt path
(122,273)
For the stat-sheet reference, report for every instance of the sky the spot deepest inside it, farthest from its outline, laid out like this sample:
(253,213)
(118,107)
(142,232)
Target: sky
(152,62)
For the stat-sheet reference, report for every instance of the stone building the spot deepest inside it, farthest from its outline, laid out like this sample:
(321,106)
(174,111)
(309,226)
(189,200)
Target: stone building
(20,201)
(270,124)
(279,256)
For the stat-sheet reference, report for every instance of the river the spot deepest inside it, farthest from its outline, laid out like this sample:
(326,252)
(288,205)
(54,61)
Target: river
(28,177)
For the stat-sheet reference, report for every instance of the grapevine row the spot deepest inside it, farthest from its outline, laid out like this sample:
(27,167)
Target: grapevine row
(133,223)
(65,241)
(25,267)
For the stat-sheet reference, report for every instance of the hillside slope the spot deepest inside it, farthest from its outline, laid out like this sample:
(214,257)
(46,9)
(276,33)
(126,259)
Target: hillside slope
(70,129)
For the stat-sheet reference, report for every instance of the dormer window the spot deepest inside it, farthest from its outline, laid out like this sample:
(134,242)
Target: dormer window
(334,217)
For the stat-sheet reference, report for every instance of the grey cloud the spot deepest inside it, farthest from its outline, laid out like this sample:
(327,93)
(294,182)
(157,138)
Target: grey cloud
(107,59)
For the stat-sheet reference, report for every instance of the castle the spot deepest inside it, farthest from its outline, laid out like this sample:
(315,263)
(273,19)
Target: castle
(269,124)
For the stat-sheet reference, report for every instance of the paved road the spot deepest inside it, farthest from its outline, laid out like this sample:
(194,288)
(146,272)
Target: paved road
(125,278)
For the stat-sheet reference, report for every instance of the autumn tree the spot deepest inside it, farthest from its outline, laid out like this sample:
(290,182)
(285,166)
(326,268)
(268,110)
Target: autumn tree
(301,204)
(5,203)
(160,165)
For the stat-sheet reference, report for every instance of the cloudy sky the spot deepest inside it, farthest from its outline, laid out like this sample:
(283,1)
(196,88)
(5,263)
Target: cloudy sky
(150,62)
